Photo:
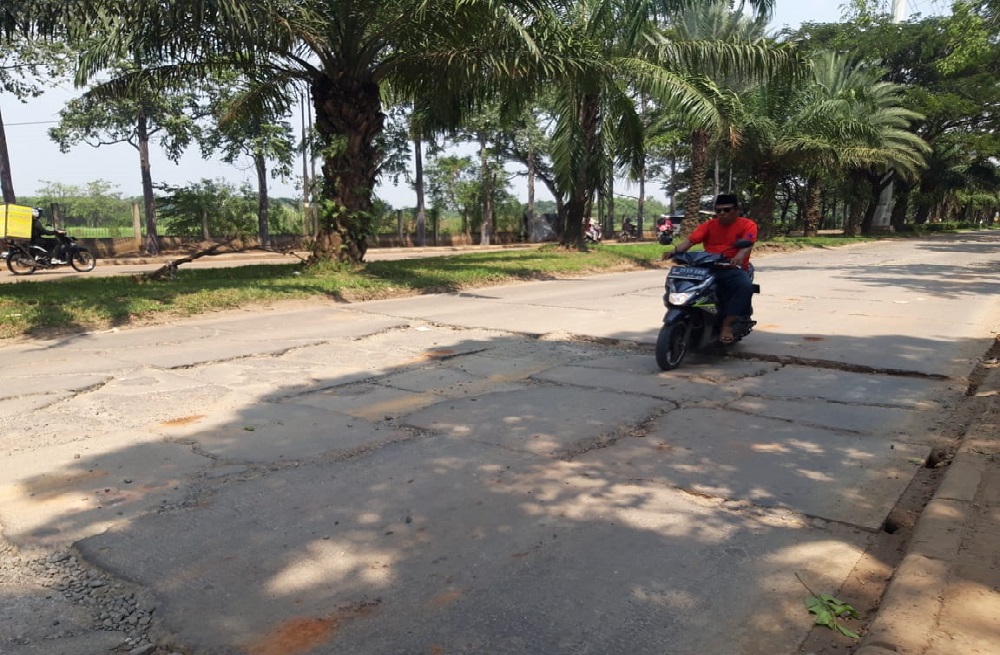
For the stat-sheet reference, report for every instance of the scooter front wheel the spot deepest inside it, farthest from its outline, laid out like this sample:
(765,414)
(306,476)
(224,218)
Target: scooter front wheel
(671,346)
(83,261)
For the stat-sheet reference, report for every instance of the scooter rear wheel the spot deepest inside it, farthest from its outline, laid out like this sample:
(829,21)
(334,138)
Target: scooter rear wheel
(20,264)
(671,346)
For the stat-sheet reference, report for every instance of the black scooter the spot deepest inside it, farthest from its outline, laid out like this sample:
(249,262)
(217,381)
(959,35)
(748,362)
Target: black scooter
(629,231)
(693,321)
(24,258)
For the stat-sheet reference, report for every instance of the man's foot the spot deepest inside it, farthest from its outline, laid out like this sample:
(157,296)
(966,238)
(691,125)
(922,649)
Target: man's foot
(726,336)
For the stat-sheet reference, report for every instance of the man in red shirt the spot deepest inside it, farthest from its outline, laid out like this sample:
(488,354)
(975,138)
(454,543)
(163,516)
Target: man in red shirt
(719,234)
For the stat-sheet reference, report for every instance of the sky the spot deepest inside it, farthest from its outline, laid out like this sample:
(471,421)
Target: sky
(36,160)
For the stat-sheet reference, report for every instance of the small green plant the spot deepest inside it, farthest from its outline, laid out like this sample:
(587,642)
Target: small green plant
(828,609)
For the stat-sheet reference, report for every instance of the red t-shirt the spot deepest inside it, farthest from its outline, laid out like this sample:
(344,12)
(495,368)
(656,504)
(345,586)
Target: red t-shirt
(720,238)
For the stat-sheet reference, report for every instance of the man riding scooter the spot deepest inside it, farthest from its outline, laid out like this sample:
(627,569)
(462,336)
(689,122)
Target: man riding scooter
(718,236)
(39,231)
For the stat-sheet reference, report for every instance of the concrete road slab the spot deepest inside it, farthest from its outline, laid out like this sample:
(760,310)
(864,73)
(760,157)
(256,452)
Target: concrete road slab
(768,462)
(452,546)
(14,426)
(41,361)
(851,388)
(91,642)
(185,355)
(714,369)
(39,621)
(320,322)
(266,378)
(55,495)
(283,433)
(156,398)
(550,421)
(909,425)
(44,381)
(370,402)
(471,309)
(675,389)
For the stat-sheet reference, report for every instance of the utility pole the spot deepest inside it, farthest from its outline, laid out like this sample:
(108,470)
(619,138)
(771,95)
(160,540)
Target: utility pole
(883,213)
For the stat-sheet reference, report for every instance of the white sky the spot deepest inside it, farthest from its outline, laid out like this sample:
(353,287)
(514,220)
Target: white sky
(35,159)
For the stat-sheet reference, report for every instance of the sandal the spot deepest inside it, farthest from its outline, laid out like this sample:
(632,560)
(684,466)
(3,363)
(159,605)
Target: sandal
(727,339)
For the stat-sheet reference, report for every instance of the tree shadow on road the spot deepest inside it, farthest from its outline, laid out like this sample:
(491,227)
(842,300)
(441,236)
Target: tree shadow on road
(426,489)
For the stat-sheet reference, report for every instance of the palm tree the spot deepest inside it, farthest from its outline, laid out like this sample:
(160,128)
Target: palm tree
(846,120)
(843,121)
(716,22)
(599,130)
(348,53)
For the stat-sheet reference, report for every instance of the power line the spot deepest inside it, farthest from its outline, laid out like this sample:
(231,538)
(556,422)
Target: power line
(30,123)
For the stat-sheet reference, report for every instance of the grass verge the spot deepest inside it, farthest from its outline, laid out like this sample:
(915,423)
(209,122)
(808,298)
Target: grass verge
(38,308)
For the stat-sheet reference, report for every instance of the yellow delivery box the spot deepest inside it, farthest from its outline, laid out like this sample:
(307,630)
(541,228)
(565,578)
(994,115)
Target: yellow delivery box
(15,221)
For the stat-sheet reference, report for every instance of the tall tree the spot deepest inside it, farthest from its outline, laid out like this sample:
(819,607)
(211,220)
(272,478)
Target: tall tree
(599,130)
(714,21)
(143,112)
(26,66)
(243,128)
(947,65)
(847,119)
(347,53)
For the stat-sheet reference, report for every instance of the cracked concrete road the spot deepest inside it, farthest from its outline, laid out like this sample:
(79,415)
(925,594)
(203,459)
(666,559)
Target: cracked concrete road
(500,471)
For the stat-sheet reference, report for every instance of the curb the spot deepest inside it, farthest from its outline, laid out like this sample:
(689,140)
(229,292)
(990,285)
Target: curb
(906,621)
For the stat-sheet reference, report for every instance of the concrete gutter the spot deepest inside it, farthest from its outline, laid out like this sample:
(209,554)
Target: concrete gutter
(944,597)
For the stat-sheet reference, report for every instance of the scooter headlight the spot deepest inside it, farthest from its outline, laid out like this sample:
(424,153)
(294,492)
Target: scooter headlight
(680,297)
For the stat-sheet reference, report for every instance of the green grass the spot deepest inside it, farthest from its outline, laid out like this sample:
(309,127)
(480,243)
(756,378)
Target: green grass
(67,305)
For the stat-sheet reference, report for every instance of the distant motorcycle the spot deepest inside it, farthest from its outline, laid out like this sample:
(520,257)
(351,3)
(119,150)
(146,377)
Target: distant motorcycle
(24,258)
(593,233)
(629,231)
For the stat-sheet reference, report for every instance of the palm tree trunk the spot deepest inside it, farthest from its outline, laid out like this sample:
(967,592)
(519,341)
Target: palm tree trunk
(530,211)
(902,207)
(762,207)
(672,189)
(487,191)
(814,195)
(852,227)
(349,119)
(699,168)
(152,245)
(641,205)
(856,204)
(263,203)
(578,204)
(418,168)
(6,182)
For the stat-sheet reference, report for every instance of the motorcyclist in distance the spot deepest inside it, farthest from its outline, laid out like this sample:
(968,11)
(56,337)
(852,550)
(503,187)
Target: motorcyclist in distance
(39,231)
(719,236)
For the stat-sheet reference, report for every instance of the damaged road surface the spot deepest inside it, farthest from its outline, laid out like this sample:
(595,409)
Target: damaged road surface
(499,471)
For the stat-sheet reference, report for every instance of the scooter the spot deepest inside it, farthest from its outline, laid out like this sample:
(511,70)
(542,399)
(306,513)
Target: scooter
(629,231)
(592,233)
(25,258)
(693,321)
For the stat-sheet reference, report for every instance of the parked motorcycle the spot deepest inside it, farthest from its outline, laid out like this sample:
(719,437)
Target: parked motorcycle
(592,232)
(629,231)
(24,258)
(693,320)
